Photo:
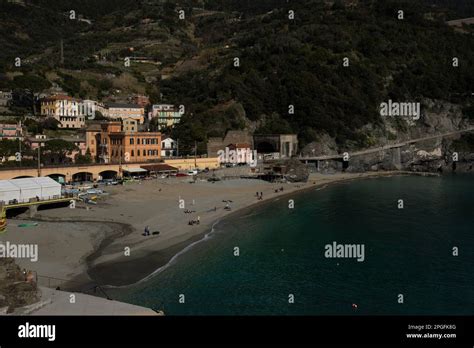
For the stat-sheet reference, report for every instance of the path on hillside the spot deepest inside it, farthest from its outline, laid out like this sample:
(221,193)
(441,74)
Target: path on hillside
(390,146)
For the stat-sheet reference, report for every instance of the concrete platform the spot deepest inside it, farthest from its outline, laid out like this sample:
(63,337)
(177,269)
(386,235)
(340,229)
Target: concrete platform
(54,302)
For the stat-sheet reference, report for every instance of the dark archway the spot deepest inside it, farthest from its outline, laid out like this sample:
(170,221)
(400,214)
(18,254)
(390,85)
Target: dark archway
(108,174)
(265,147)
(82,176)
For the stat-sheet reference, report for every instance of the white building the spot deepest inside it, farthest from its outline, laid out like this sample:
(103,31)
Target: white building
(88,108)
(118,111)
(168,147)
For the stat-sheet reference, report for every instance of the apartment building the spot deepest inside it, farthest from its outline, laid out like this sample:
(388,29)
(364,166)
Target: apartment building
(168,115)
(118,111)
(112,144)
(65,109)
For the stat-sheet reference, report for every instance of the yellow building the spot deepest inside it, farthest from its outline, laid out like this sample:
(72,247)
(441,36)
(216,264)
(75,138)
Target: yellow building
(65,109)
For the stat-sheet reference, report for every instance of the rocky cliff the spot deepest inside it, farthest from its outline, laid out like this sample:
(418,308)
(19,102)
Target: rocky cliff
(453,152)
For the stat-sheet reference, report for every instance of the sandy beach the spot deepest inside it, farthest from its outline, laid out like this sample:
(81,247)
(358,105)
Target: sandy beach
(104,243)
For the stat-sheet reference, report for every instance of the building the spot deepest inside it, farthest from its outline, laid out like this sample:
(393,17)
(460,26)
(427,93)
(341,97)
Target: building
(168,115)
(276,146)
(40,140)
(65,109)
(216,144)
(11,131)
(5,98)
(93,139)
(119,111)
(168,147)
(89,107)
(36,141)
(129,125)
(112,144)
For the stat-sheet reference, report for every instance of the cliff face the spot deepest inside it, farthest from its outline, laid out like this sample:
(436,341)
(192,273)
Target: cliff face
(427,156)
(450,153)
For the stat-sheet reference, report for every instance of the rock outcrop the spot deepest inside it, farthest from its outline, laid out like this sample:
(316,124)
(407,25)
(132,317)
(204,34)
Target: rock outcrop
(15,292)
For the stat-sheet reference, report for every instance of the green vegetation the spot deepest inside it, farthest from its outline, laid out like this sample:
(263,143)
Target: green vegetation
(84,159)
(11,147)
(282,62)
(57,150)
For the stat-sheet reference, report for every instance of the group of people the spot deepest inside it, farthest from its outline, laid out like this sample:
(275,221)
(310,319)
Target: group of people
(259,195)
(279,190)
(147,232)
(195,222)
(187,211)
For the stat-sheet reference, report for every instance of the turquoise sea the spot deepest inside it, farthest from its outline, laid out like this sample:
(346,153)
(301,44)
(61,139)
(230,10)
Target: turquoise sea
(408,251)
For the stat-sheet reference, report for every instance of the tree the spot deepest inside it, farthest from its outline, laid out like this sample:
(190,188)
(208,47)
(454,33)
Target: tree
(58,150)
(33,126)
(99,117)
(51,123)
(83,159)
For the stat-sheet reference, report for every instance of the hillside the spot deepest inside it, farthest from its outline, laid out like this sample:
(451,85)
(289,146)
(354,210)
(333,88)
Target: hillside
(283,62)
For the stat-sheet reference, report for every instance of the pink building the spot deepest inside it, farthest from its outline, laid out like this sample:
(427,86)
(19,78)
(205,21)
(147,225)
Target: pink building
(10,131)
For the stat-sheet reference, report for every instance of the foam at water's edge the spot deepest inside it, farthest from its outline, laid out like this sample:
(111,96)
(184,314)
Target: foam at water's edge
(206,237)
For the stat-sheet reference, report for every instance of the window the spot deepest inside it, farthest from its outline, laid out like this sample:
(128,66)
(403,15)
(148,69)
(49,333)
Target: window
(138,141)
(133,153)
(131,141)
(138,153)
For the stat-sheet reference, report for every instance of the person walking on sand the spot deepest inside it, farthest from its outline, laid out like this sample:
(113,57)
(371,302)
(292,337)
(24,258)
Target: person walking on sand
(147,231)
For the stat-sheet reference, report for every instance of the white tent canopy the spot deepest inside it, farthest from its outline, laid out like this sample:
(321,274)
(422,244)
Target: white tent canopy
(28,189)
(49,187)
(22,190)
(8,191)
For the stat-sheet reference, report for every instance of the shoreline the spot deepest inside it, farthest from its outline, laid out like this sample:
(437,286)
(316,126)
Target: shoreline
(150,264)
(82,250)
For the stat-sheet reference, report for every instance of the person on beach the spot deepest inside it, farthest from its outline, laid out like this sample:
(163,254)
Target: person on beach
(147,231)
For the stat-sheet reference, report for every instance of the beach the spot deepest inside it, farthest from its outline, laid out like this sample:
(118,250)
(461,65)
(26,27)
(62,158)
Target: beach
(104,243)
